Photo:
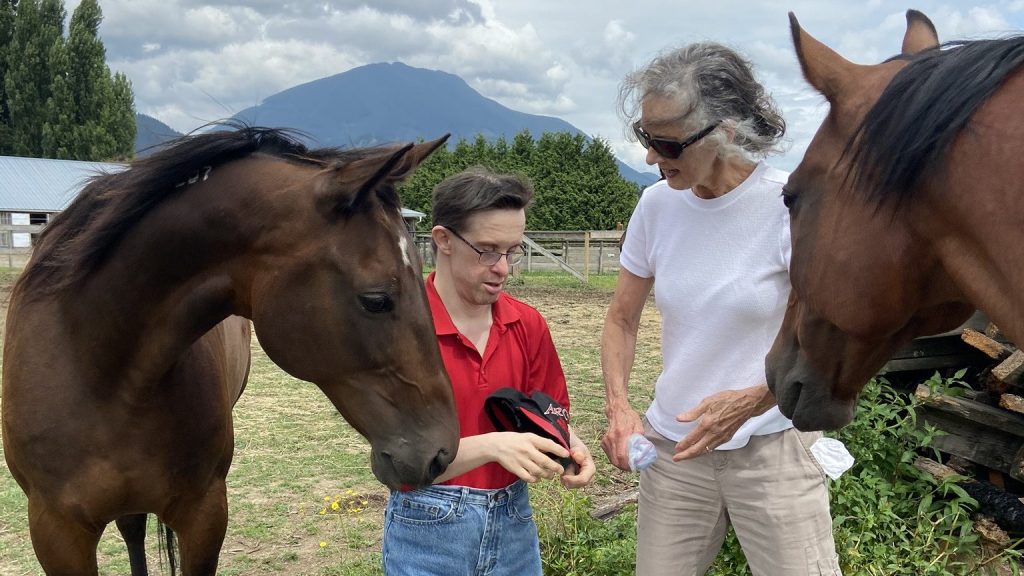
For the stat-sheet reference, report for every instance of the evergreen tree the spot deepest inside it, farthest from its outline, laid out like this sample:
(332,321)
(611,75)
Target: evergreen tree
(37,27)
(576,182)
(521,153)
(57,97)
(26,80)
(59,125)
(7,8)
(89,83)
(119,118)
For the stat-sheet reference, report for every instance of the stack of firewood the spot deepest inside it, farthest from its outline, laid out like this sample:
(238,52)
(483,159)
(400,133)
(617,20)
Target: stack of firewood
(984,434)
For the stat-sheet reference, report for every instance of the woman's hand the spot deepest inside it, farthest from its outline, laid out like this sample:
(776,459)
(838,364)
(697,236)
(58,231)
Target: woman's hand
(622,423)
(721,415)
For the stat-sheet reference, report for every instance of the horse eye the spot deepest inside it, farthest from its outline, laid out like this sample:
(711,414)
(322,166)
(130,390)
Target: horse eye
(788,198)
(376,302)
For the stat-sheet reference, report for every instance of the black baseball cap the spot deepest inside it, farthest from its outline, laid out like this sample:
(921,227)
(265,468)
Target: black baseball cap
(513,411)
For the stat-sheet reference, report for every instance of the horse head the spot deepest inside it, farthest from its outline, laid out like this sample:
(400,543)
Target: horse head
(342,304)
(863,283)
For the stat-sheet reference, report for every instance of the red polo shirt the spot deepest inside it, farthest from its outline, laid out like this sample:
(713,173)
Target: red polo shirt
(520,354)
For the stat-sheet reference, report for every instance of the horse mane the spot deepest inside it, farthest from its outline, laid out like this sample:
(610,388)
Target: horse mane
(83,235)
(906,134)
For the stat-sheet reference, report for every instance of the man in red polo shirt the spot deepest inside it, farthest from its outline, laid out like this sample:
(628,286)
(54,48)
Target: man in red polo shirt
(477,519)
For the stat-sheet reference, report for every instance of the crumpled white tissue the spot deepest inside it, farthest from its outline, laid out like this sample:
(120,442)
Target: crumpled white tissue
(832,455)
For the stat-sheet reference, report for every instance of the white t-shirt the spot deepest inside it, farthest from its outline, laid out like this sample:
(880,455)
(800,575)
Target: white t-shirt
(721,283)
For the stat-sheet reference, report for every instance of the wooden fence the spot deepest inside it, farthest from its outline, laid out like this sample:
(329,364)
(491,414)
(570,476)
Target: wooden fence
(580,253)
(11,256)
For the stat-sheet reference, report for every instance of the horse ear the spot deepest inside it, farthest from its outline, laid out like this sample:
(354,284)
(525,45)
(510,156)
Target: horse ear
(367,174)
(823,68)
(921,34)
(415,156)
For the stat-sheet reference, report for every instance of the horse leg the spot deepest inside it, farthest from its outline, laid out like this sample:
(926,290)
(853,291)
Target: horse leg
(133,530)
(62,544)
(200,526)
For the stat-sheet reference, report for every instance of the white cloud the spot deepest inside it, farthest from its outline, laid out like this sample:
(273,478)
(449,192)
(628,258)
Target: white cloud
(194,60)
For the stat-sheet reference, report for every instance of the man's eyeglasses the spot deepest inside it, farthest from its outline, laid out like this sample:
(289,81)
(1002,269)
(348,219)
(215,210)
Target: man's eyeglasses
(670,149)
(489,257)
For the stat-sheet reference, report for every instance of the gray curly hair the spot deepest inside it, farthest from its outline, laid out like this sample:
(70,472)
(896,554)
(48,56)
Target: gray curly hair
(711,83)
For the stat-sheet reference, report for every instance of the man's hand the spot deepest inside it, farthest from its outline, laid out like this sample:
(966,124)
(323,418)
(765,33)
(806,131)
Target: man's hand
(721,415)
(622,423)
(526,454)
(582,472)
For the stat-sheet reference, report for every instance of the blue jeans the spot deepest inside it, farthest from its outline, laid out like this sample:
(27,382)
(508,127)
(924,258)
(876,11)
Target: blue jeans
(458,531)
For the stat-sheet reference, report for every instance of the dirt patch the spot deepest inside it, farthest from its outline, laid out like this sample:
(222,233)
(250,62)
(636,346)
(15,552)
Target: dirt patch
(293,451)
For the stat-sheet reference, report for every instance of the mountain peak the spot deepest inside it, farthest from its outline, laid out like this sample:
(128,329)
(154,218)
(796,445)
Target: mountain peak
(388,102)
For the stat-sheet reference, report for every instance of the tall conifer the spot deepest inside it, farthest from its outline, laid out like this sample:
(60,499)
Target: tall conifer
(7,13)
(59,123)
(103,105)
(58,98)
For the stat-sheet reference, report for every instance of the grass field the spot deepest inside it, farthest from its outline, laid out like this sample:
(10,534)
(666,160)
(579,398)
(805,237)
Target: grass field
(302,498)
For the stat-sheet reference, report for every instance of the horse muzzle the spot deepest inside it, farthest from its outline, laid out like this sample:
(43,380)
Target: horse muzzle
(806,398)
(402,467)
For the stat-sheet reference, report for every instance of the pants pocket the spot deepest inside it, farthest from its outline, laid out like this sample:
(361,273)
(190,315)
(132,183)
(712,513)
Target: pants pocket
(829,567)
(519,508)
(422,510)
(807,439)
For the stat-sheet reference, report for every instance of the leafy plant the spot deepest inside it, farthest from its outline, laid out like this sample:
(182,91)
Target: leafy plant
(888,517)
(574,544)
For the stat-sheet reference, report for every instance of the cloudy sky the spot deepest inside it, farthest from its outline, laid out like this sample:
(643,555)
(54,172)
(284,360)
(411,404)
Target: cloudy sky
(192,61)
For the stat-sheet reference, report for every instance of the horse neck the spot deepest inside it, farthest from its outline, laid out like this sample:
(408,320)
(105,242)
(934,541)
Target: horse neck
(176,274)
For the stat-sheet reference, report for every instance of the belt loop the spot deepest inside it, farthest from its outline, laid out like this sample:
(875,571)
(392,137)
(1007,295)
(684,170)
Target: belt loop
(510,494)
(463,496)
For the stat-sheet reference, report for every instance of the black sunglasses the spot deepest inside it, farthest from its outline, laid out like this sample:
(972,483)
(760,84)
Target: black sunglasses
(670,149)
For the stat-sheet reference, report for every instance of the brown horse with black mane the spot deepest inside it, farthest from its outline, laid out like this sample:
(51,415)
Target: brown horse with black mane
(127,342)
(907,212)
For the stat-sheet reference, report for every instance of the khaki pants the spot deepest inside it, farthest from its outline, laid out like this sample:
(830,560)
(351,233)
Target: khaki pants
(772,491)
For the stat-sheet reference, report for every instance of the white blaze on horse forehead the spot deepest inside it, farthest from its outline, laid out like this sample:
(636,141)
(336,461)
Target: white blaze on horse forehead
(403,247)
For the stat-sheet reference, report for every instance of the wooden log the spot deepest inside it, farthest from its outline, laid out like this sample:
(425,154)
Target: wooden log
(992,331)
(962,465)
(615,505)
(932,353)
(983,446)
(975,411)
(990,347)
(1012,402)
(1010,370)
(1017,467)
(1007,511)
(931,363)
(934,469)
(982,434)
(990,532)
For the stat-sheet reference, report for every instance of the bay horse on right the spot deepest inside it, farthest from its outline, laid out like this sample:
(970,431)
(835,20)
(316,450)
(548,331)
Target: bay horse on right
(907,212)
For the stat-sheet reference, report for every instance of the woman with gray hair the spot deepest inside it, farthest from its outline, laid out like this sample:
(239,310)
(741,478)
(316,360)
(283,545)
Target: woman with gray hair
(712,240)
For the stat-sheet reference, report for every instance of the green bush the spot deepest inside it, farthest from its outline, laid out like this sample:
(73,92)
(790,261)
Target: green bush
(889,518)
(574,544)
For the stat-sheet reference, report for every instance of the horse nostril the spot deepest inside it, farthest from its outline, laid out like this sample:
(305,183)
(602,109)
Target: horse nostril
(439,463)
